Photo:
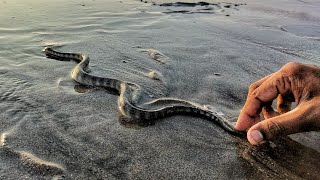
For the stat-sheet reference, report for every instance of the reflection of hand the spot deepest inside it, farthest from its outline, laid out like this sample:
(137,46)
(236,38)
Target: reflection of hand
(294,82)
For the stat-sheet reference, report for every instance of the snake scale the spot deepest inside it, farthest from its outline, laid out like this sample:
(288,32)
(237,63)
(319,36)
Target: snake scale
(129,94)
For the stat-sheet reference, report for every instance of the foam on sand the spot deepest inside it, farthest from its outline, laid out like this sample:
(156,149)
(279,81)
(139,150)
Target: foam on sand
(3,139)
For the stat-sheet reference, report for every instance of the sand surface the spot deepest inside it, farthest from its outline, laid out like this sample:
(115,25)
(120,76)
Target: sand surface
(53,128)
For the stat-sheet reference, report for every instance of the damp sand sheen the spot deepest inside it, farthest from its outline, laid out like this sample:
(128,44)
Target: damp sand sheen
(177,55)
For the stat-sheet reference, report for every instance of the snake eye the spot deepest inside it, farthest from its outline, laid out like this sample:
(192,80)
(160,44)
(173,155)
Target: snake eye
(45,49)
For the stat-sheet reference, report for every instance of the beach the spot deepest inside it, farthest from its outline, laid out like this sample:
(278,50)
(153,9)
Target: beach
(210,52)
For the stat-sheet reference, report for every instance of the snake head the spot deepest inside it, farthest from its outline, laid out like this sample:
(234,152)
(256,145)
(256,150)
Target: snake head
(46,49)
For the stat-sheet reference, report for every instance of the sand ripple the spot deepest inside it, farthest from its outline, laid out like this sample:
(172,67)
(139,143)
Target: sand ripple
(31,162)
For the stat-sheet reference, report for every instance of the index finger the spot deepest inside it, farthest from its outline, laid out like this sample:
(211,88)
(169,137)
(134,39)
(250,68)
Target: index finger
(265,91)
(255,85)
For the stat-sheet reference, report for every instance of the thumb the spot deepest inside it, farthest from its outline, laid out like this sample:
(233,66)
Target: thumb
(284,124)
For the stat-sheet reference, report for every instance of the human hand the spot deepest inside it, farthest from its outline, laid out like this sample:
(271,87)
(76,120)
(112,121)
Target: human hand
(294,82)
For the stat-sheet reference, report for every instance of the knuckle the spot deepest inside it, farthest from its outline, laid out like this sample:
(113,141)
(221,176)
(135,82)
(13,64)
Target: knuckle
(292,68)
(279,84)
(273,129)
(255,94)
(253,86)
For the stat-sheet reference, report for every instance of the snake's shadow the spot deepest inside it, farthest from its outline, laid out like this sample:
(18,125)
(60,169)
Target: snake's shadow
(138,124)
(119,88)
(281,158)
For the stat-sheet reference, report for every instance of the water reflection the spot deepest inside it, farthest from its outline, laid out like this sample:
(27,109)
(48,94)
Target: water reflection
(282,158)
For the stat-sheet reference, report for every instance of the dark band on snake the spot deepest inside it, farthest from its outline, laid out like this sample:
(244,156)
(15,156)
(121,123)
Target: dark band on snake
(129,109)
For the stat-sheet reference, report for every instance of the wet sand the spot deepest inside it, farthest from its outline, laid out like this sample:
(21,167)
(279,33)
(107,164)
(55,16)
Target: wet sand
(52,127)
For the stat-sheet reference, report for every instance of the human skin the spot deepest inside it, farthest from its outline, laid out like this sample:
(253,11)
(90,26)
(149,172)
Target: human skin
(294,82)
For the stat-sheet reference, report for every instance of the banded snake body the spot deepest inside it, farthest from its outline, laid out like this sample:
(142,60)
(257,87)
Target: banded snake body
(129,93)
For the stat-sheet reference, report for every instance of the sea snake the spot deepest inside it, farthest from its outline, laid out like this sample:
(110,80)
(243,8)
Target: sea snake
(130,111)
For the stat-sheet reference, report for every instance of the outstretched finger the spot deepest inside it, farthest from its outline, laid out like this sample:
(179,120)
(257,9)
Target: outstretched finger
(244,121)
(269,90)
(258,83)
(265,93)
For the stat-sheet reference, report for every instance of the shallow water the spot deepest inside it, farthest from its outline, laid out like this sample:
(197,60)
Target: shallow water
(52,127)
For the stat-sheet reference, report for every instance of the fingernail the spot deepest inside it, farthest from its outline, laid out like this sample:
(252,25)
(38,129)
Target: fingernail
(257,136)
